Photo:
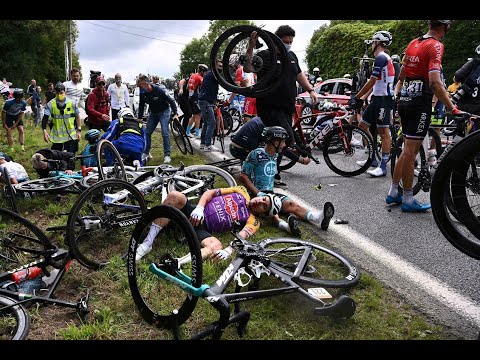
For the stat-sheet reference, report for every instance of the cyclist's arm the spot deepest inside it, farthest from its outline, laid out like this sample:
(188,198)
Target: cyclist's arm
(249,53)
(401,79)
(208,196)
(367,87)
(251,227)
(462,74)
(19,118)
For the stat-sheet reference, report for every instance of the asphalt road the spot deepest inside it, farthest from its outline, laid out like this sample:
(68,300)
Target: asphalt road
(406,251)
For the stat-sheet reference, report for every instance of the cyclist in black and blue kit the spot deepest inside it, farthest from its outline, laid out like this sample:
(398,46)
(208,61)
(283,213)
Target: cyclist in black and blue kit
(467,96)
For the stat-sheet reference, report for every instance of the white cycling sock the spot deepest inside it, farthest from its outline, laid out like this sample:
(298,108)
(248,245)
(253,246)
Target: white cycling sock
(184,259)
(283,225)
(393,192)
(315,217)
(152,234)
(408,196)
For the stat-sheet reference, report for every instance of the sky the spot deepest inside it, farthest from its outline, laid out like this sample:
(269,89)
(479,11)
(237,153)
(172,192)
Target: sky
(130,47)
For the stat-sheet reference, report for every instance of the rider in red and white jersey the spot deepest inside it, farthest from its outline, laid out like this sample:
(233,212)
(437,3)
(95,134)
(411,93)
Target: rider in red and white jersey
(419,80)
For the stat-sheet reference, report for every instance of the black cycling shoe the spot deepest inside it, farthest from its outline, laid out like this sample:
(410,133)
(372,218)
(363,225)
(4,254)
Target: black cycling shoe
(294,225)
(328,211)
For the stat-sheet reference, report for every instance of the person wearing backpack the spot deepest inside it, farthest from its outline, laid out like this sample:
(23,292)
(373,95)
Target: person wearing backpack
(128,135)
(98,106)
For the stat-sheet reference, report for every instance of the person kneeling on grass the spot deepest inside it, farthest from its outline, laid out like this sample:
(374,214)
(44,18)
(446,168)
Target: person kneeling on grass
(43,168)
(258,172)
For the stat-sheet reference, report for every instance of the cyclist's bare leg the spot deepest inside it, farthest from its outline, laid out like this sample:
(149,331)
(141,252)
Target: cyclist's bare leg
(21,135)
(314,217)
(9,136)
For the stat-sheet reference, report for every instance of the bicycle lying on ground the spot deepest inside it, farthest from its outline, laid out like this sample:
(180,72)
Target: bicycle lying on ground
(25,255)
(166,294)
(98,225)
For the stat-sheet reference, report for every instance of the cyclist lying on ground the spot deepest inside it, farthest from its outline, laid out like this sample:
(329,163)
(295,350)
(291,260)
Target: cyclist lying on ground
(258,172)
(17,172)
(43,168)
(128,135)
(217,211)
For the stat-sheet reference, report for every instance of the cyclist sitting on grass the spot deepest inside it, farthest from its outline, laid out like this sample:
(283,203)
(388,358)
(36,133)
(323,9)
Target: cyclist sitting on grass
(92,136)
(258,172)
(43,168)
(217,211)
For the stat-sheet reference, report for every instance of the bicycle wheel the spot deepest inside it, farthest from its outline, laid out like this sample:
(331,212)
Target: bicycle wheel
(221,135)
(324,267)
(343,158)
(286,163)
(157,298)
(99,224)
(178,135)
(212,177)
(237,119)
(53,184)
(458,172)
(21,242)
(110,163)
(227,122)
(92,179)
(14,321)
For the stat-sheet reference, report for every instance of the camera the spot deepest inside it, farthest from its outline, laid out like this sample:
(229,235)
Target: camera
(458,96)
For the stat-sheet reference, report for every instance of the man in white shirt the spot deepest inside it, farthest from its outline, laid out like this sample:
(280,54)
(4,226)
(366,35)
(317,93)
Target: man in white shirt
(74,89)
(118,95)
(16,172)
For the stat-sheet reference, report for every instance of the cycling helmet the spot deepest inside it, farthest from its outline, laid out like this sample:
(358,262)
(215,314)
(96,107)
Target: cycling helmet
(125,112)
(316,69)
(18,93)
(271,133)
(347,76)
(92,134)
(275,204)
(383,36)
(202,67)
(477,50)
(59,86)
(396,58)
(319,79)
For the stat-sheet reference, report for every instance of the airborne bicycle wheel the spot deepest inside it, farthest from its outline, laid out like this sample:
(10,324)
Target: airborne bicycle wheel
(227,122)
(231,46)
(158,298)
(324,267)
(21,241)
(344,158)
(178,135)
(14,321)
(99,225)
(53,184)
(110,163)
(458,173)
(213,178)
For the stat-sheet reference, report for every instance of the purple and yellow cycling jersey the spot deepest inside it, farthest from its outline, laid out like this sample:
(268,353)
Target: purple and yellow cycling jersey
(229,205)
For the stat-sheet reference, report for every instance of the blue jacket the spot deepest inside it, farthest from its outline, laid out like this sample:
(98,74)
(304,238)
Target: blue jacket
(158,99)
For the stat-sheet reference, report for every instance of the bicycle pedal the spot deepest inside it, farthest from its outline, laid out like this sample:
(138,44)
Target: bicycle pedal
(82,306)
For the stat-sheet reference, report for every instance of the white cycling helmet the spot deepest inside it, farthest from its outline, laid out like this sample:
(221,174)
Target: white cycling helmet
(316,69)
(319,79)
(383,36)
(276,204)
(125,112)
(347,76)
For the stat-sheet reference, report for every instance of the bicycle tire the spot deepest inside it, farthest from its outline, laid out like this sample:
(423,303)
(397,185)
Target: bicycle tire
(237,119)
(22,242)
(155,298)
(96,231)
(9,191)
(118,166)
(333,145)
(455,162)
(53,184)
(264,86)
(213,176)
(14,322)
(329,269)
(227,122)
(178,136)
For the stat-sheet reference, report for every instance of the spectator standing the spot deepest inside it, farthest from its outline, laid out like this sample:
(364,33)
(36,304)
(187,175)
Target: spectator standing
(12,118)
(31,88)
(36,106)
(5,89)
(118,95)
(64,116)
(74,89)
(183,101)
(98,106)
(160,104)
(49,94)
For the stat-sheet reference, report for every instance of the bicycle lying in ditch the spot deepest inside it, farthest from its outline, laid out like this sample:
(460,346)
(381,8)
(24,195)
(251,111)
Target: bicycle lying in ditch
(25,255)
(98,226)
(342,144)
(166,294)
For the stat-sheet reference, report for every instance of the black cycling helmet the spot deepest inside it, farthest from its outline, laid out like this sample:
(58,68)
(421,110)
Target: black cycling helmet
(396,58)
(271,133)
(18,93)
(59,86)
